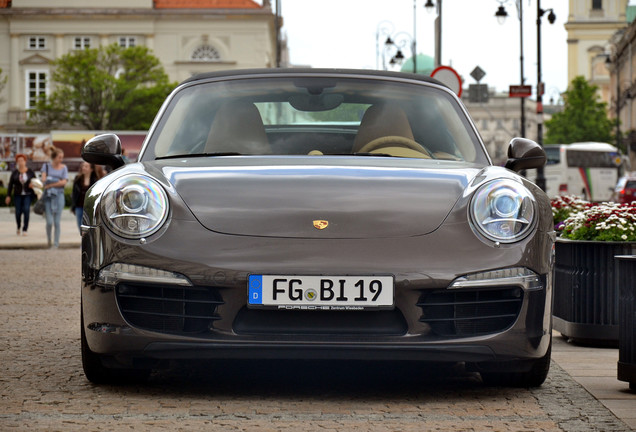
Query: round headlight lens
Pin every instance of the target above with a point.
(133, 199)
(505, 203)
(134, 206)
(503, 211)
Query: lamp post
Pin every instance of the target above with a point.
(384, 28)
(279, 24)
(430, 5)
(555, 96)
(399, 41)
(501, 15)
(414, 44)
(540, 88)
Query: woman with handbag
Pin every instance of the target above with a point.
(19, 186)
(55, 177)
(83, 181)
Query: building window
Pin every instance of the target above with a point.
(37, 87)
(37, 42)
(127, 41)
(82, 42)
(597, 4)
(205, 53)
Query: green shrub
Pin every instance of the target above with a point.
(68, 197)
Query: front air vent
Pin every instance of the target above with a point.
(168, 308)
(464, 313)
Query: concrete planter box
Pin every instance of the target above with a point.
(627, 319)
(585, 290)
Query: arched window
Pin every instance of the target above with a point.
(205, 53)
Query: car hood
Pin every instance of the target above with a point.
(297, 200)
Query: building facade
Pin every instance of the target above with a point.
(590, 26)
(622, 89)
(499, 120)
(187, 36)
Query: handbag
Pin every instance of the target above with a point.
(38, 208)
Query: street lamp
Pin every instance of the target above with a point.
(399, 41)
(430, 5)
(541, 88)
(555, 96)
(501, 15)
(384, 28)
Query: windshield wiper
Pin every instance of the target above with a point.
(197, 155)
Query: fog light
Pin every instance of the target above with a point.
(522, 276)
(112, 274)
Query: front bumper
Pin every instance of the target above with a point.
(432, 321)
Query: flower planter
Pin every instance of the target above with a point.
(585, 290)
(627, 319)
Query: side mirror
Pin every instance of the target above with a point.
(525, 154)
(103, 149)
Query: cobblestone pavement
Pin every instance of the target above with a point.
(42, 387)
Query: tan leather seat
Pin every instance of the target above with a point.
(238, 127)
(381, 120)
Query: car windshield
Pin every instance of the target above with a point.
(318, 116)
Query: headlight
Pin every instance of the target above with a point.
(503, 211)
(134, 206)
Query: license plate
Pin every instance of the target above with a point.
(320, 292)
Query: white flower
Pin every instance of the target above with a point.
(624, 237)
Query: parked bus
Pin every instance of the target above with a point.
(587, 169)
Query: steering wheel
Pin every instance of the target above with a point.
(387, 141)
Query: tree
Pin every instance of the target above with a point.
(583, 119)
(106, 88)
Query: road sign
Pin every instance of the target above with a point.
(478, 93)
(520, 91)
(450, 77)
(478, 73)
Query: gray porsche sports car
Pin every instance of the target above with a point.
(316, 214)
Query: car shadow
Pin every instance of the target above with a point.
(311, 378)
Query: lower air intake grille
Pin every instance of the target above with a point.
(464, 313)
(168, 309)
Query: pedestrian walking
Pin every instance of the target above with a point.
(20, 187)
(55, 177)
(83, 181)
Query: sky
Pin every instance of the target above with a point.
(343, 33)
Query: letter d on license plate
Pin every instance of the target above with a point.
(320, 292)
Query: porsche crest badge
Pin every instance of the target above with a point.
(321, 224)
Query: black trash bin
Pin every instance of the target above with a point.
(627, 319)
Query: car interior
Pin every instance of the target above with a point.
(314, 121)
